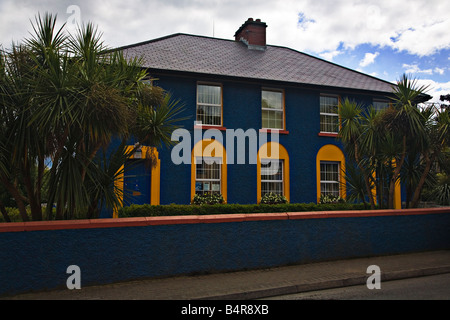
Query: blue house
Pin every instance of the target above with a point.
(273, 102)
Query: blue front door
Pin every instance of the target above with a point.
(137, 182)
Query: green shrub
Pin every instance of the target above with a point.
(324, 199)
(273, 198)
(208, 199)
(14, 215)
(442, 194)
(147, 210)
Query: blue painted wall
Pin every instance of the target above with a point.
(242, 109)
(38, 260)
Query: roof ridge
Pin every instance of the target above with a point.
(167, 37)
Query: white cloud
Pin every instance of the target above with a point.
(424, 39)
(369, 58)
(416, 26)
(329, 55)
(439, 70)
(414, 68)
(435, 89)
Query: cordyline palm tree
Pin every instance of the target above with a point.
(350, 133)
(436, 138)
(22, 152)
(64, 98)
(380, 142)
(405, 120)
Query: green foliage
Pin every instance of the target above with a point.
(147, 210)
(63, 97)
(402, 142)
(13, 214)
(329, 199)
(209, 199)
(442, 194)
(273, 198)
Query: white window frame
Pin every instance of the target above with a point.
(331, 182)
(280, 161)
(272, 109)
(202, 180)
(336, 115)
(199, 103)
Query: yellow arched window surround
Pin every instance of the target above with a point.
(275, 151)
(210, 148)
(331, 153)
(155, 177)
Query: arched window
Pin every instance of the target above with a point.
(209, 168)
(330, 164)
(272, 170)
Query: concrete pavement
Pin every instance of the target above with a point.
(257, 284)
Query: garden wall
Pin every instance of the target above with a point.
(35, 255)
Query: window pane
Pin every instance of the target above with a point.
(208, 94)
(209, 105)
(208, 175)
(380, 105)
(328, 104)
(272, 119)
(210, 115)
(272, 110)
(329, 178)
(271, 187)
(329, 123)
(272, 170)
(271, 176)
(272, 100)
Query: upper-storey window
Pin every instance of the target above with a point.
(209, 104)
(380, 105)
(272, 107)
(329, 118)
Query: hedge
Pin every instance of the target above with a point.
(147, 210)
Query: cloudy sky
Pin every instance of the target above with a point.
(383, 38)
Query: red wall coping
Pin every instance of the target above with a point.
(220, 218)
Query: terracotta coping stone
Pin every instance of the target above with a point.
(219, 218)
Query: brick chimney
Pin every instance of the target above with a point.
(253, 34)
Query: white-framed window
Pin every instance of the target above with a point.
(209, 104)
(329, 118)
(272, 173)
(272, 109)
(208, 175)
(329, 178)
(380, 105)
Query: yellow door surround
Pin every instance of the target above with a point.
(155, 177)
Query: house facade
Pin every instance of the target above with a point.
(260, 119)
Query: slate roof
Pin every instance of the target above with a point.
(212, 56)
